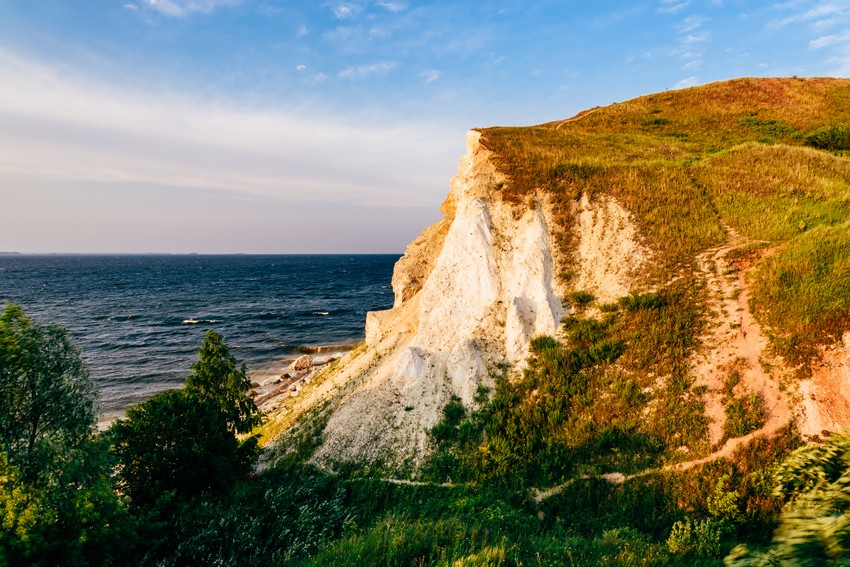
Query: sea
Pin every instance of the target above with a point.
(140, 319)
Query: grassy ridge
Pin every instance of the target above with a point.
(766, 157)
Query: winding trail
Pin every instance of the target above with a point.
(578, 116)
(734, 341)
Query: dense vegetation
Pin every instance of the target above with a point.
(168, 485)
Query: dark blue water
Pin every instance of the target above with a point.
(135, 316)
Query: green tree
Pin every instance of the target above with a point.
(175, 444)
(57, 502)
(46, 394)
(217, 378)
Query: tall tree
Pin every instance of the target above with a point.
(46, 394)
(57, 502)
(217, 378)
(175, 443)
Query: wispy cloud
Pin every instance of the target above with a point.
(363, 71)
(430, 75)
(346, 10)
(130, 6)
(673, 6)
(180, 8)
(686, 82)
(59, 129)
(392, 6)
(270, 11)
(829, 40)
(691, 23)
(826, 21)
(813, 13)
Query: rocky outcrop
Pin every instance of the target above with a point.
(470, 293)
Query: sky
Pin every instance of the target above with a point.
(275, 126)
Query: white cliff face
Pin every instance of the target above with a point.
(609, 252)
(488, 289)
(470, 293)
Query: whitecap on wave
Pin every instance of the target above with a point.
(193, 321)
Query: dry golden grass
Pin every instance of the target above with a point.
(687, 163)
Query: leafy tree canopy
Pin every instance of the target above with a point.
(175, 443)
(218, 379)
(46, 394)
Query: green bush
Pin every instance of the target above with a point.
(833, 137)
(700, 539)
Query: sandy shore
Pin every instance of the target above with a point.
(271, 382)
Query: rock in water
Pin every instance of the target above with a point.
(302, 363)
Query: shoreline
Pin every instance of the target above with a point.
(270, 382)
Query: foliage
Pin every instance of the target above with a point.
(216, 378)
(57, 503)
(814, 528)
(46, 394)
(175, 443)
(832, 137)
(701, 538)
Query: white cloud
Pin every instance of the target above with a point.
(828, 40)
(131, 7)
(686, 82)
(695, 38)
(363, 71)
(270, 11)
(817, 14)
(346, 10)
(180, 8)
(62, 130)
(392, 6)
(673, 6)
(689, 24)
(302, 31)
(301, 67)
(430, 75)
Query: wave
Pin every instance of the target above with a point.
(192, 321)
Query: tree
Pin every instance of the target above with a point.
(814, 527)
(46, 394)
(184, 442)
(217, 378)
(174, 443)
(57, 502)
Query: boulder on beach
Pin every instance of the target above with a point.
(302, 363)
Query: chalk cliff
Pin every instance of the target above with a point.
(469, 294)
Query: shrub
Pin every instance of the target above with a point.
(833, 137)
(700, 539)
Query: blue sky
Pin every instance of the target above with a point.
(273, 126)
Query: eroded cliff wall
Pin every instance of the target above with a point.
(470, 293)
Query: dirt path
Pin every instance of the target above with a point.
(578, 116)
(734, 341)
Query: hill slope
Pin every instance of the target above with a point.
(700, 236)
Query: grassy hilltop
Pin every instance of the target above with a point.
(766, 157)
